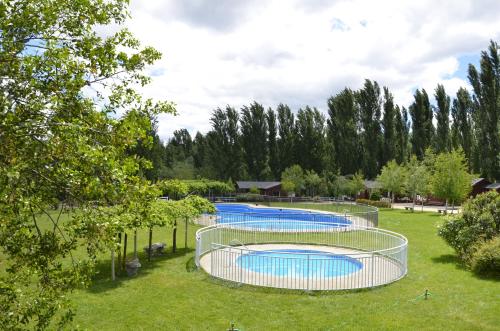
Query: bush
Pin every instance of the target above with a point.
(375, 196)
(486, 259)
(378, 204)
(479, 222)
(249, 197)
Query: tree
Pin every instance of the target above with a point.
(295, 176)
(402, 129)
(451, 180)
(61, 144)
(312, 182)
(417, 179)
(273, 144)
(442, 139)
(390, 123)
(225, 153)
(254, 141)
(286, 141)
(356, 184)
(392, 178)
(369, 102)
(461, 130)
(342, 132)
(422, 127)
(310, 139)
(485, 85)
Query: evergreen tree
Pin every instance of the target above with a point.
(286, 140)
(442, 138)
(461, 130)
(343, 131)
(273, 144)
(310, 142)
(486, 98)
(254, 141)
(422, 127)
(392, 143)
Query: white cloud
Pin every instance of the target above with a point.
(299, 53)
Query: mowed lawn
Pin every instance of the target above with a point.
(169, 295)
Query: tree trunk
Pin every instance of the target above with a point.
(446, 207)
(150, 243)
(413, 206)
(119, 251)
(125, 240)
(113, 264)
(186, 233)
(135, 244)
(174, 237)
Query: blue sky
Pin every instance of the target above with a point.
(300, 52)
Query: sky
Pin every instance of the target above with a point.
(230, 52)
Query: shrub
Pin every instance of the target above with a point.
(479, 222)
(375, 196)
(254, 190)
(249, 197)
(378, 204)
(486, 259)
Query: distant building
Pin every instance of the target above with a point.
(265, 188)
(479, 185)
(371, 186)
(493, 187)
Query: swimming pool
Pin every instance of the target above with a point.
(277, 218)
(299, 263)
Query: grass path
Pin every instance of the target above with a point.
(168, 295)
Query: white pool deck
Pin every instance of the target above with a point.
(376, 269)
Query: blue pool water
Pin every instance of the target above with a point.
(277, 218)
(299, 263)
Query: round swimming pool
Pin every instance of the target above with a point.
(272, 218)
(299, 263)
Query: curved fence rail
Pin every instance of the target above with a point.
(311, 255)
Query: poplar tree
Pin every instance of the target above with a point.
(442, 138)
(392, 143)
(254, 141)
(342, 131)
(401, 135)
(273, 144)
(286, 140)
(422, 127)
(486, 88)
(369, 101)
(461, 129)
(310, 141)
(223, 141)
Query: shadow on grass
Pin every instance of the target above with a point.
(102, 280)
(459, 264)
(449, 259)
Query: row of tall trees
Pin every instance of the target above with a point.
(361, 131)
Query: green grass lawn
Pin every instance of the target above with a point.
(169, 295)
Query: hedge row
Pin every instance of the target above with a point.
(378, 204)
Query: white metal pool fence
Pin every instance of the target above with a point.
(382, 254)
(361, 218)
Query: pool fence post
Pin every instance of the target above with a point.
(308, 270)
(373, 269)
(241, 268)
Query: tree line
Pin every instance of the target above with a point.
(362, 131)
